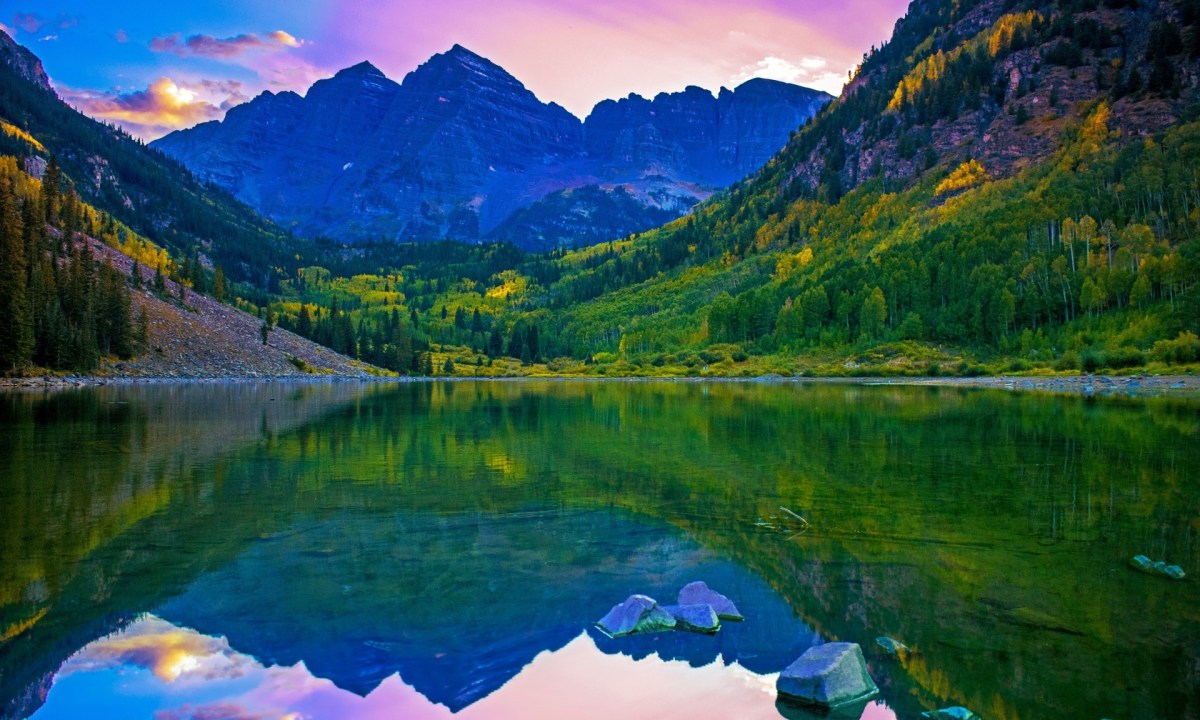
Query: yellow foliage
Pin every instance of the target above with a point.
(996, 39)
(790, 263)
(17, 628)
(511, 284)
(14, 131)
(965, 176)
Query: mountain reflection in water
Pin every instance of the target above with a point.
(448, 546)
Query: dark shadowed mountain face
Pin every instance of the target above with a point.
(23, 62)
(461, 146)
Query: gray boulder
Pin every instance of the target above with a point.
(698, 593)
(828, 676)
(694, 618)
(638, 614)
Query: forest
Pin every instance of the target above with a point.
(884, 239)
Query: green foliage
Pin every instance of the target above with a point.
(59, 307)
(1181, 350)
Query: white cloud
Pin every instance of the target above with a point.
(809, 71)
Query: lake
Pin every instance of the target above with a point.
(433, 550)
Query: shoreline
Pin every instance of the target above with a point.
(1082, 385)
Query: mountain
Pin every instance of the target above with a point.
(27, 65)
(460, 146)
(1003, 179)
(140, 187)
(1006, 185)
(712, 141)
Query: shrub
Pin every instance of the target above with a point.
(1067, 361)
(1124, 357)
(1183, 349)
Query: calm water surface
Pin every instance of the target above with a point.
(437, 550)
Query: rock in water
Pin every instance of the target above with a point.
(698, 593)
(951, 713)
(1143, 563)
(638, 614)
(1146, 565)
(694, 618)
(892, 647)
(1174, 572)
(828, 676)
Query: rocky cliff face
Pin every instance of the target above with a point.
(999, 82)
(25, 63)
(460, 147)
(693, 135)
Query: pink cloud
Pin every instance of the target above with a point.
(32, 23)
(209, 46)
(28, 22)
(164, 106)
(215, 711)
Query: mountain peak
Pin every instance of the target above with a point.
(23, 62)
(460, 51)
(363, 69)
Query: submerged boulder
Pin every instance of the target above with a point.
(892, 647)
(1160, 567)
(792, 711)
(694, 618)
(951, 713)
(638, 614)
(828, 676)
(698, 593)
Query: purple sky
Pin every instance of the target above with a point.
(156, 66)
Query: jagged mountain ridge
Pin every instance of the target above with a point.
(461, 145)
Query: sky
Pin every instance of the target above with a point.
(158, 670)
(156, 66)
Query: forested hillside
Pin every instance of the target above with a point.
(1009, 185)
(1004, 186)
(142, 188)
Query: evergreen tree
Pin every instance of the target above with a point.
(16, 321)
(219, 288)
(142, 331)
(51, 183)
(160, 282)
(533, 343)
(303, 320)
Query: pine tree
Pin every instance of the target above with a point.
(16, 320)
(51, 184)
(219, 288)
(160, 282)
(533, 343)
(303, 320)
(142, 331)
